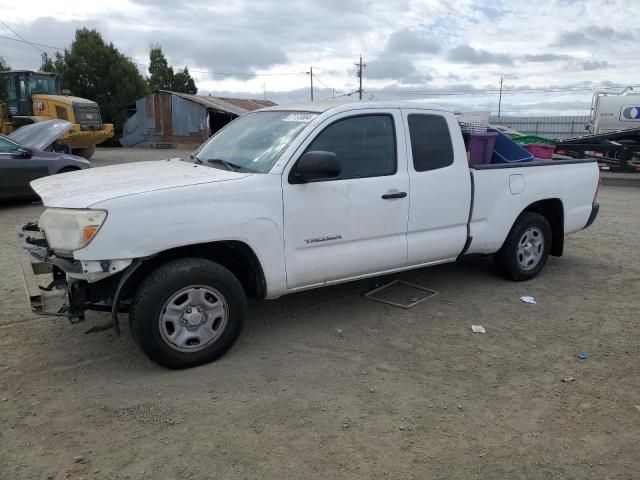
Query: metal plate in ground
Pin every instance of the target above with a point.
(401, 294)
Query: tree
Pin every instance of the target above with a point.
(162, 76)
(183, 82)
(92, 69)
(51, 64)
(3, 87)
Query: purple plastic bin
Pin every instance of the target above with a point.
(481, 147)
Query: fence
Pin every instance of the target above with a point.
(553, 128)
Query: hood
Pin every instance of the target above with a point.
(41, 134)
(85, 188)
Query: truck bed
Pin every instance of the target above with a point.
(502, 191)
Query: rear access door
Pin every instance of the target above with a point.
(440, 186)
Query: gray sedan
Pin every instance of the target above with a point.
(30, 153)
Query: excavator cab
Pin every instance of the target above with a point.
(20, 85)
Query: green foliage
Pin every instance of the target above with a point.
(162, 76)
(51, 64)
(182, 82)
(3, 87)
(92, 69)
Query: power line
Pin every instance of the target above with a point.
(20, 36)
(274, 74)
(30, 43)
(325, 85)
(360, 65)
(497, 92)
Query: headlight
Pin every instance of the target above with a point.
(68, 230)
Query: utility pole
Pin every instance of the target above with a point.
(500, 99)
(360, 66)
(310, 72)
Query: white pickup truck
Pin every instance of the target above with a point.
(286, 199)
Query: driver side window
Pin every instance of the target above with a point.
(365, 146)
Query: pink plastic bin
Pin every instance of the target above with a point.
(539, 150)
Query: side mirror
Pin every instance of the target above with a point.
(24, 153)
(318, 165)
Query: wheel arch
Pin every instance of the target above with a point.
(552, 210)
(236, 256)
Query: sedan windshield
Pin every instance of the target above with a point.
(253, 142)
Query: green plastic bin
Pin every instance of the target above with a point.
(531, 139)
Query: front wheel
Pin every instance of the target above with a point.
(526, 249)
(188, 312)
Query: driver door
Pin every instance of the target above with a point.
(355, 224)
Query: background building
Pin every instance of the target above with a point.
(167, 119)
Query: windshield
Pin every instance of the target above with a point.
(43, 84)
(254, 141)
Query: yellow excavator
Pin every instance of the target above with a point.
(32, 97)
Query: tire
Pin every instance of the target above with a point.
(526, 249)
(85, 152)
(175, 311)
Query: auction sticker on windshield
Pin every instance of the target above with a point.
(300, 117)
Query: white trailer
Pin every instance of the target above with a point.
(612, 112)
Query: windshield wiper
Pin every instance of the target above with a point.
(233, 167)
(195, 158)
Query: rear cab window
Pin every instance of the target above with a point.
(431, 145)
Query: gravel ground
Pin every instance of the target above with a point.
(328, 384)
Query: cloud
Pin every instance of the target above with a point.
(592, 35)
(399, 68)
(545, 57)
(468, 54)
(396, 61)
(411, 41)
(590, 65)
(425, 45)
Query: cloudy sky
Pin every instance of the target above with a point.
(552, 54)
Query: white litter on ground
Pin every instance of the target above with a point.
(527, 299)
(478, 329)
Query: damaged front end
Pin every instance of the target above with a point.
(63, 286)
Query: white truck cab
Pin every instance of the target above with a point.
(285, 199)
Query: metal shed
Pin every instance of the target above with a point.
(167, 119)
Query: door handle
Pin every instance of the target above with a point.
(389, 196)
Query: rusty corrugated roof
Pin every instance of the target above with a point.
(237, 106)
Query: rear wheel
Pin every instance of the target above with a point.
(526, 249)
(85, 152)
(188, 312)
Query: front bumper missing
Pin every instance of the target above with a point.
(50, 300)
(42, 264)
(73, 286)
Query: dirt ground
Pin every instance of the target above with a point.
(328, 384)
